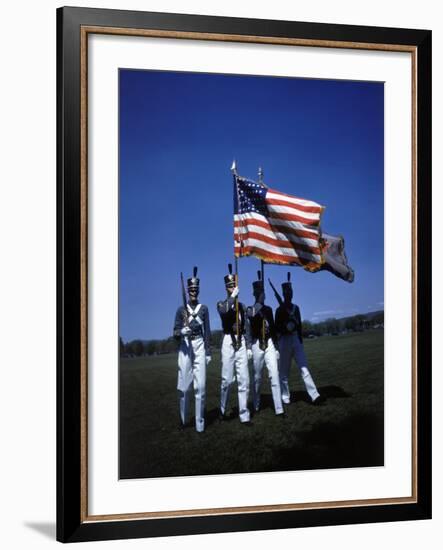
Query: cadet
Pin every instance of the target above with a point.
(235, 350)
(192, 328)
(264, 347)
(289, 327)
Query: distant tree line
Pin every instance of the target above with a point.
(356, 323)
(137, 348)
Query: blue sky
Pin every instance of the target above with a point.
(179, 132)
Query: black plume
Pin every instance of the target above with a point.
(230, 269)
(289, 276)
(259, 275)
(195, 271)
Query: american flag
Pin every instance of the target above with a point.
(275, 227)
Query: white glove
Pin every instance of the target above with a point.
(249, 354)
(290, 326)
(235, 292)
(185, 331)
(277, 353)
(208, 359)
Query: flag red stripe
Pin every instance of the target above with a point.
(277, 242)
(276, 227)
(290, 196)
(309, 209)
(292, 218)
(282, 258)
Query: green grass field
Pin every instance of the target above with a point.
(345, 431)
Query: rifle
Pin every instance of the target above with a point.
(185, 309)
(237, 341)
(276, 294)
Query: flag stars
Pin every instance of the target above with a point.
(251, 197)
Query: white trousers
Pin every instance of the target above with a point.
(235, 362)
(266, 357)
(192, 371)
(290, 346)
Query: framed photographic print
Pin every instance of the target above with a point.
(244, 274)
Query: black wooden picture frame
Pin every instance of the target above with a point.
(73, 25)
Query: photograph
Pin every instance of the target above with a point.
(250, 273)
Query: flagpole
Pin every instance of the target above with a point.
(260, 181)
(237, 320)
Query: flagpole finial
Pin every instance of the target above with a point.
(260, 174)
(234, 167)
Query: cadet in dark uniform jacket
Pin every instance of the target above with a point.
(191, 326)
(289, 327)
(235, 350)
(264, 347)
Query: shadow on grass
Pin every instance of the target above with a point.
(356, 441)
(326, 392)
(212, 416)
(266, 402)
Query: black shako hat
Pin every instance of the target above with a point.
(258, 285)
(193, 282)
(287, 284)
(230, 278)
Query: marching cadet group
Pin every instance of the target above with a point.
(249, 333)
